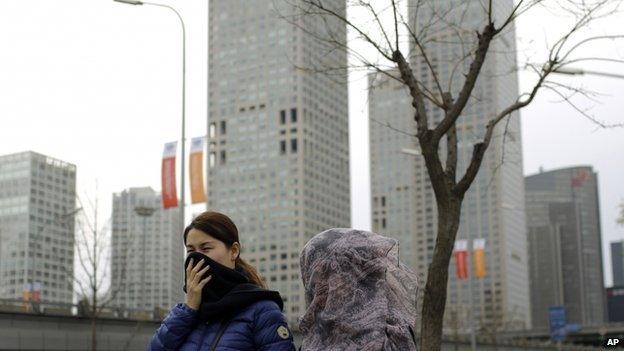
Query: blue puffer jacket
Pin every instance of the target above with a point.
(259, 326)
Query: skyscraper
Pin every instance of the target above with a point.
(37, 203)
(278, 137)
(617, 263)
(147, 265)
(493, 208)
(565, 252)
(397, 179)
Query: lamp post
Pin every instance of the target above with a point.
(143, 211)
(578, 71)
(182, 164)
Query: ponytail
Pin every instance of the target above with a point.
(252, 273)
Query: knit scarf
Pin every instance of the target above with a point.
(228, 291)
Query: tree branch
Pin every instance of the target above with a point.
(485, 38)
(479, 149)
(434, 74)
(324, 10)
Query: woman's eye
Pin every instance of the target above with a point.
(189, 251)
(206, 248)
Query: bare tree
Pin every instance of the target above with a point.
(92, 249)
(439, 104)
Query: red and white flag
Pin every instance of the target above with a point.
(460, 252)
(168, 176)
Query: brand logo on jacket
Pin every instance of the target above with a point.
(282, 331)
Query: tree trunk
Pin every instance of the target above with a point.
(434, 302)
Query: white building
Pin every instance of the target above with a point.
(147, 252)
(36, 235)
(279, 145)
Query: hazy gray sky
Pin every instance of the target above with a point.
(97, 84)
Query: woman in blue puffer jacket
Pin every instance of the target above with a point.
(227, 309)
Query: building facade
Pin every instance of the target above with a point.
(397, 182)
(278, 135)
(615, 304)
(403, 202)
(565, 252)
(147, 261)
(617, 262)
(37, 203)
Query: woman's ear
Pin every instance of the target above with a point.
(234, 252)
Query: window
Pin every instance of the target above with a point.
(211, 159)
(293, 115)
(283, 147)
(222, 127)
(212, 130)
(283, 117)
(293, 145)
(222, 157)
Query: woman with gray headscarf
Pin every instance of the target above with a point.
(358, 295)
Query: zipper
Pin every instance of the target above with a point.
(222, 327)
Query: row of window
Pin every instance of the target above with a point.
(293, 146)
(212, 158)
(377, 198)
(213, 129)
(223, 128)
(293, 116)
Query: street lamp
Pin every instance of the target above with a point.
(412, 152)
(135, 2)
(578, 71)
(143, 211)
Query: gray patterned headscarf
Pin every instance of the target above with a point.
(358, 295)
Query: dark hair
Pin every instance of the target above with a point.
(223, 229)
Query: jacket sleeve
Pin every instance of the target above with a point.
(174, 329)
(271, 332)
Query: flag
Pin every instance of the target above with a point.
(461, 256)
(168, 176)
(479, 258)
(196, 172)
(582, 175)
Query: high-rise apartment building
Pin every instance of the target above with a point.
(37, 203)
(565, 251)
(617, 262)
(147, 265)
(493, 208)
(278, 137)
